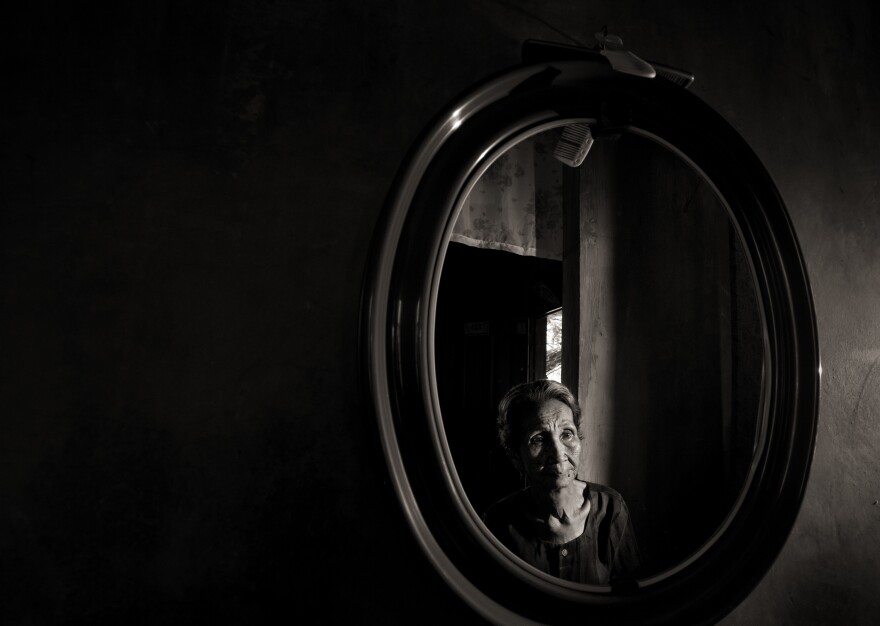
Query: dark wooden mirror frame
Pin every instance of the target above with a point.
(397, 335)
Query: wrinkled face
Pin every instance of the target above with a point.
(550, 447)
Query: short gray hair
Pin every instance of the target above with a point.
(528, 396)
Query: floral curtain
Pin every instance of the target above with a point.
(517, 204)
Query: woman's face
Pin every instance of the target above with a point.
(550, 447)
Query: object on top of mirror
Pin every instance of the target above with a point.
(622, 59)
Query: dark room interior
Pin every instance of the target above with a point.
(191, 193)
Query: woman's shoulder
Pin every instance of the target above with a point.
(506, 508)
(513, 500)
(604, 498)
(603, 490)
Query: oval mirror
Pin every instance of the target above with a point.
(571, 221)
(624, 279)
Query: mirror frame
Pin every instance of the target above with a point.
(397, 343)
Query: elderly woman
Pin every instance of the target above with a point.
(566, 527)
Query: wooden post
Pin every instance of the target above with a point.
(571, 280)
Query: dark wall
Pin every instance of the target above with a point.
(187, 196)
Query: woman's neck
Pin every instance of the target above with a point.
(562, 513)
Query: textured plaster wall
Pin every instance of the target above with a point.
(188, 195)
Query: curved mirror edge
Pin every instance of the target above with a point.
(377, 304)
(489, 156)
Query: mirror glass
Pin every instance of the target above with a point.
(625, 279)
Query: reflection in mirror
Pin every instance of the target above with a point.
(625, 279)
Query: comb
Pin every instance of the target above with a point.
(574, 144)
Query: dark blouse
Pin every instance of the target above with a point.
(605, 552)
